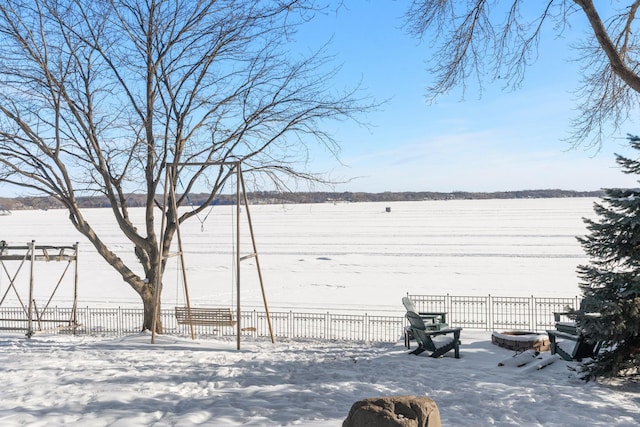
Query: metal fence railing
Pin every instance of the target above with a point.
(122, 321)
(495, 312)
(472, 312)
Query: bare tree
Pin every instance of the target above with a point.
(96, 98)
(490, 40)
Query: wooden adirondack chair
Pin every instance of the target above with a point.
(432, 320)
(577, 346)
(438, 342)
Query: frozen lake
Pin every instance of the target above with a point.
(343, 256)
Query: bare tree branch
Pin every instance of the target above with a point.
(97, 97)
(498, 40)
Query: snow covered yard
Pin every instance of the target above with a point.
(55, 380)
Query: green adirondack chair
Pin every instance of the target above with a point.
(438, 342)
(432, 319)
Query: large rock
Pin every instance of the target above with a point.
(398, 411)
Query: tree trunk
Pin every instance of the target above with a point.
(150, 310)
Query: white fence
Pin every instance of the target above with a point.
(472, 312)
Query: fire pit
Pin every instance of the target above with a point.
(521, 340)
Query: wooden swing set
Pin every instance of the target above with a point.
(209, 316)
(29, 317)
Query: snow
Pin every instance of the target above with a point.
(519, 338)
(78, 381)
(349, 257)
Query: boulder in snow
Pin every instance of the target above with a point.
(398, 411)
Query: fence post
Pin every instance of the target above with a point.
(254, 320)
(366, 328)
(327, 325)
(490, 323)
(291, 333)
(532, 314)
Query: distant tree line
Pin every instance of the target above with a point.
(272, 197)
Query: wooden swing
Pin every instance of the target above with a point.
(201, 316)
(211, 316)
(218, 316)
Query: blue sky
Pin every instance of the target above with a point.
(500, 141)
(497, 142)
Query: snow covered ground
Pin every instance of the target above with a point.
(351, 257)
(93, 381)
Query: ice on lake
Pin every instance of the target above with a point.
(341, 256)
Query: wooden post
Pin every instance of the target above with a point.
(255, 254)
(74, 309)
(238, 210)
(32, 246)
(174, 207)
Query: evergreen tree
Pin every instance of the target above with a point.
(610, 283)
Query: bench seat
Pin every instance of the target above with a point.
(204, 316)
